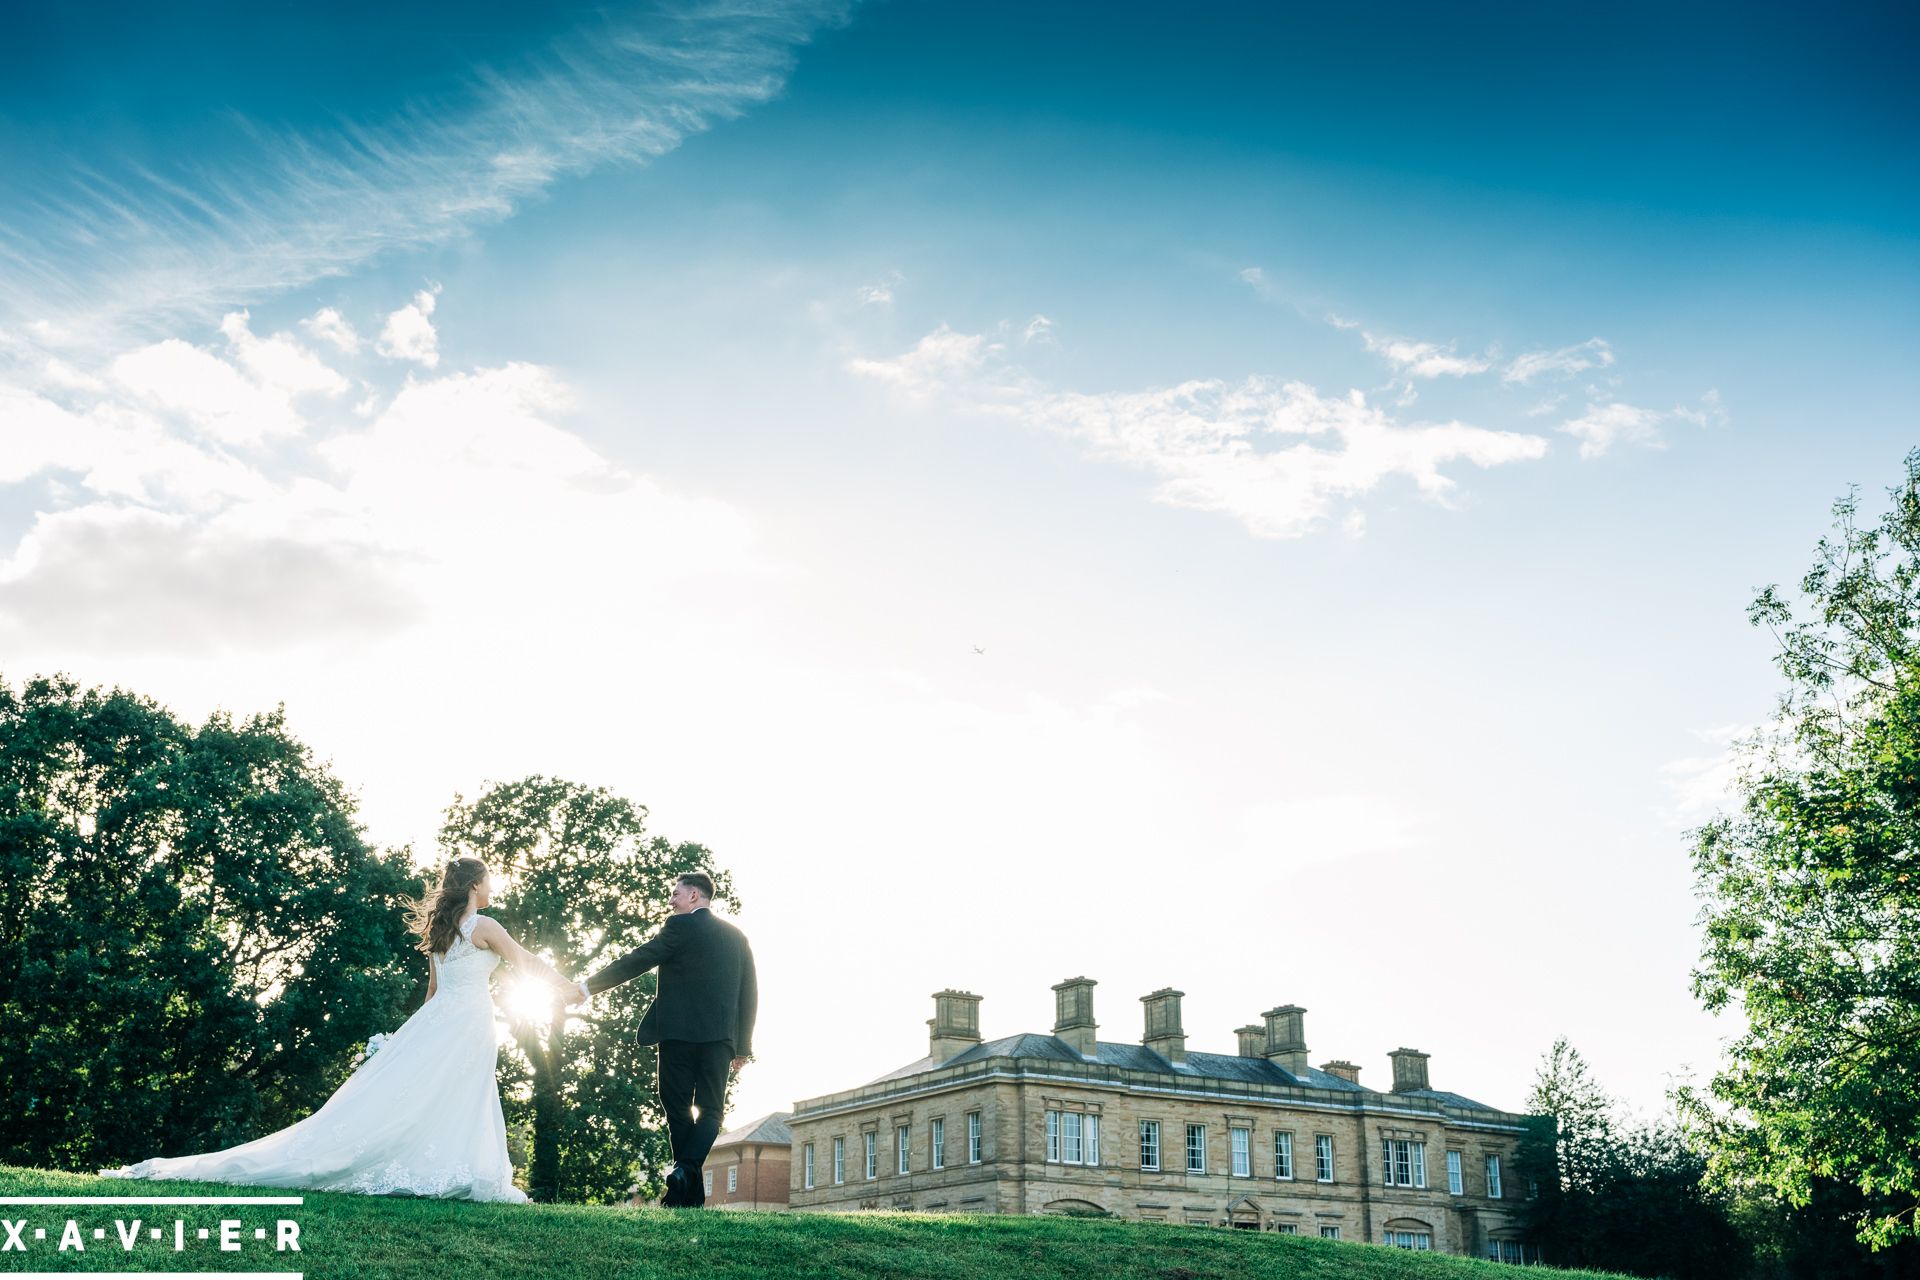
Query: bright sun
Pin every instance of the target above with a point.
(529, 1002)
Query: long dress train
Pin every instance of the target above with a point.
(420, 1117)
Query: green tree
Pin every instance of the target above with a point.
(1571, 1150)
(586, 884)
(194, 937)
(1810, 904)
(1615, 1195)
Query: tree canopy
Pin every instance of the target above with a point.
(194, 938)
(1811, 905)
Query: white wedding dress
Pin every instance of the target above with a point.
(420, 1117)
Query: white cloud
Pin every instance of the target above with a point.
(329, 326)
(279, 363)
(1594, 353)
(198, 387)
(881, 294)
(1700, 786)
(1039, 329)
(409, 333)
(464, 486)
(1426, 359)
(1603, 426)
(935, 362)
(117, 452)
(1246, 449)
(123, 579)
(1709, 413)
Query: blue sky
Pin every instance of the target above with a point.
(1351, 433)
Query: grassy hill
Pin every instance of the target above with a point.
(381, 1238)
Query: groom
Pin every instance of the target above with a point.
(701, 1017)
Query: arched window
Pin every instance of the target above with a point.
(1407, 1233)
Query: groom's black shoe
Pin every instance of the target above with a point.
(676, 1197)
(696, 1188)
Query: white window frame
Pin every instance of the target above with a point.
(1329, 1233)
(1150, 1146)
(1199, 1131)
(733, 1178)
(903, 1148)
(1073, 1137)
(1494, 1188)
(1240, 1147)
(973, 1137)
(1456, 1181)
(839, 1162)
(1283, 1155)
(939, 1141)
(873, 1153)
(1323, 1157)
(706, 1181)
(1403, 1162)
(806, 1167)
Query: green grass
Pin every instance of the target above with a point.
(384, 1238)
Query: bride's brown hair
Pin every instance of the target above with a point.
(436, 918)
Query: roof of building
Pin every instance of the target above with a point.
(769, 1129)
(1135, 1057)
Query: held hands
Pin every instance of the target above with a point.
(575, 993)
(739, 1063)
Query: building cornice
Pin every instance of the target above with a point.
(998, 1070)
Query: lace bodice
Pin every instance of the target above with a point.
(465, 968)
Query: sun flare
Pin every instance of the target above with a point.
(529, 1002)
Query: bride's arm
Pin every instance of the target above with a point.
(433, 978)
(493, 936)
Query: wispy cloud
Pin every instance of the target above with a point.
(1426, 359)
(1279, 457)
(116, 244)
(1594, 353)
(934, 364)
(880, 293)
(1603, 426)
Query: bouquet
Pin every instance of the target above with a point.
(373, 1046)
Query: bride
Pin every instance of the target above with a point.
(422, 1115)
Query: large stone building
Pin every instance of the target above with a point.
(1260, 1140)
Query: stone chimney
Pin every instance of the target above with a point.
(955, 1024)
(1287, 1038)
(1347, 1071)
(1073, 1015)
(1409, 1070)
(1253, 1041)
(1164, 1035)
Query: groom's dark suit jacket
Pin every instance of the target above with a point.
(707, 990)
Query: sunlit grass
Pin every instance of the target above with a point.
(391, 1238)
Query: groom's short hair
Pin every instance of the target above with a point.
(698, 880)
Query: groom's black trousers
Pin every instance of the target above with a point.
(694, 1074)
